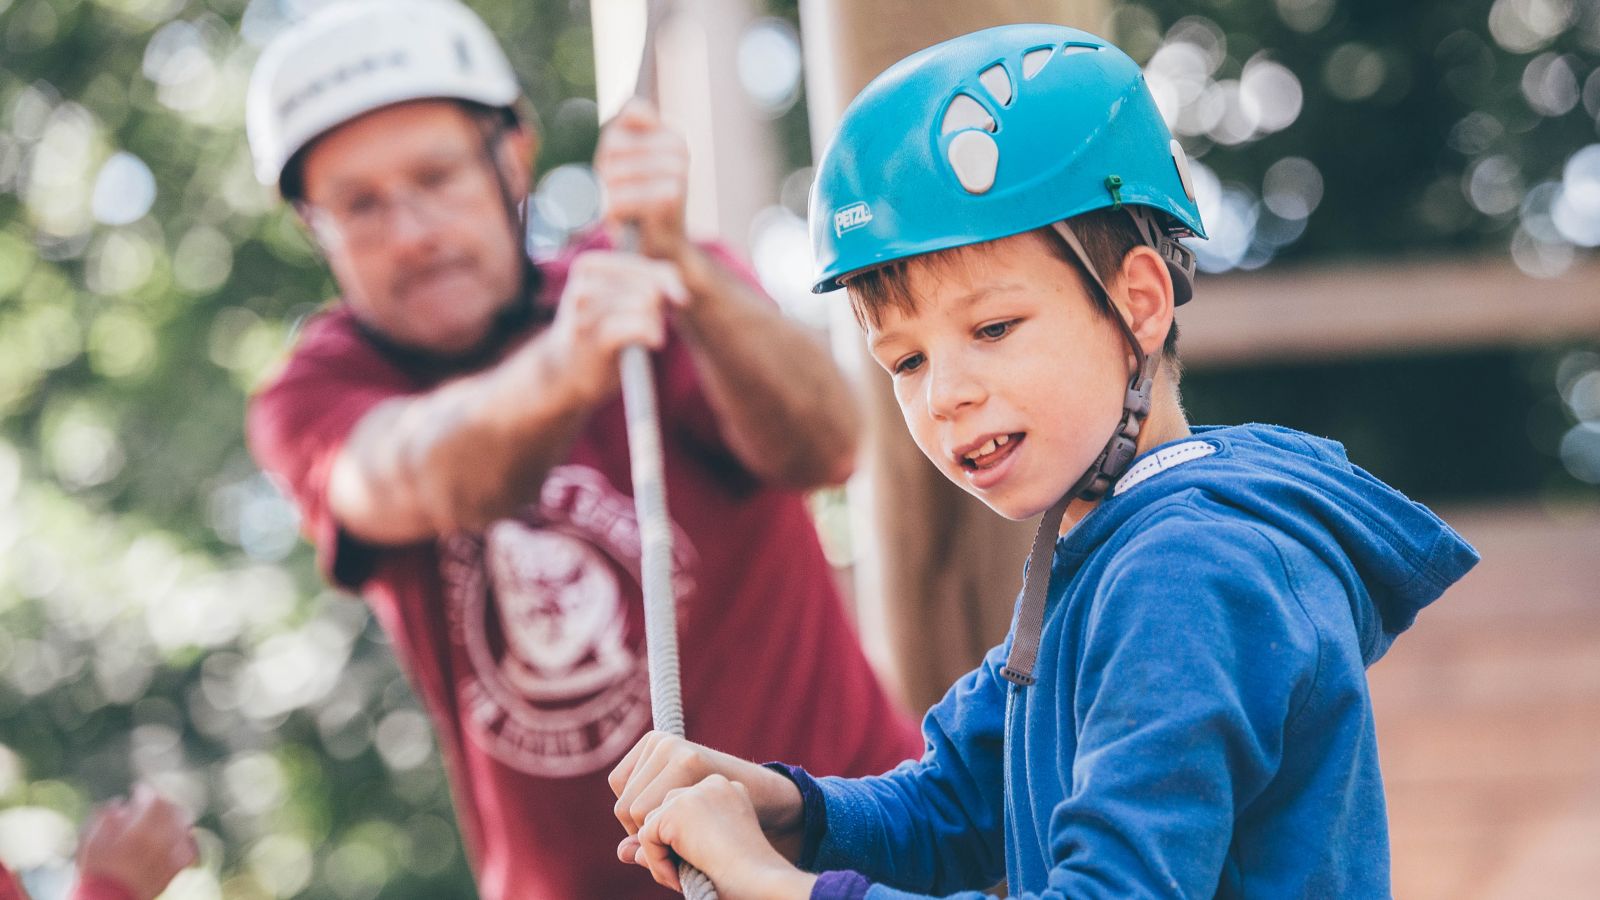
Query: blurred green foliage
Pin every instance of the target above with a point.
(159, 619)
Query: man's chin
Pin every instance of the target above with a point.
(442, 330)
(459, 340)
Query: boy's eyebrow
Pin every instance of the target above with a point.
(985, 291)
(978, 295)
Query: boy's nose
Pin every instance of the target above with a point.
(952, 388)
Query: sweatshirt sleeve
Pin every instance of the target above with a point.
(934, 824)
(1196, 656)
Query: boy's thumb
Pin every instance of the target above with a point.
(628, 850)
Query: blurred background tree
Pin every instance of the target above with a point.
(159, 618)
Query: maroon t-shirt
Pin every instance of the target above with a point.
(526, 640)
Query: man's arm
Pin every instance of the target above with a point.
(783, 407)
(477, 448)
(459, 456)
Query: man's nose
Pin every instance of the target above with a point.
(953, 385)
(411, 222)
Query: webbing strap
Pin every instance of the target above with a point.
(1035, 590)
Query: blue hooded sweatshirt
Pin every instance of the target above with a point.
(1201, 724)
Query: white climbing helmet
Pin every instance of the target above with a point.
(350, 58)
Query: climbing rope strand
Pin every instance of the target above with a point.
(650, 504)
(650, 500)
(655, 539)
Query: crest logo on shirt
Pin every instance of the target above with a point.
(547, 607)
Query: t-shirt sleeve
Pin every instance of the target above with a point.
(297, 426)
(10, 888)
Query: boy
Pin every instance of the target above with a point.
(1181, 706)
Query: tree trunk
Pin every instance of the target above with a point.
(937, 571)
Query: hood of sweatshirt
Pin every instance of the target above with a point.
(1393, 555)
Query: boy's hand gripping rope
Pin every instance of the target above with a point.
(650, 503)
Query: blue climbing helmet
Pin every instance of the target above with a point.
(993, 134)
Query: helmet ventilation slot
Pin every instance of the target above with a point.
(965, 112)
(997, 81)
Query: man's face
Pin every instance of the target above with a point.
(1009, 381)
(407, 209)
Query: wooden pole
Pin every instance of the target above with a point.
(732, 150)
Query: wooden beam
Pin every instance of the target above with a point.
(1335, 311)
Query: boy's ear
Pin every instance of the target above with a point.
(1146, 289)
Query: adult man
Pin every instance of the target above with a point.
(452, 434)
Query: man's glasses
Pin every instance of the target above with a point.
(438, 191)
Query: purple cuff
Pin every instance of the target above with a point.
(813, 813)
(840, 884)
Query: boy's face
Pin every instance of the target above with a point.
(1009, 380)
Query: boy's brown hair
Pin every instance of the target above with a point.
(1108, 235)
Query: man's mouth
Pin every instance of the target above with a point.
(990, 453)
(424, 276)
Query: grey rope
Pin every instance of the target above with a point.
(650, 506)
(655, 540)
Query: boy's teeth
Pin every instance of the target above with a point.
(988, 447)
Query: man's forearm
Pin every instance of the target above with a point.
(459, 456)
(785, 409)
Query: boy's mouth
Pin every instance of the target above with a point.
(990, 453)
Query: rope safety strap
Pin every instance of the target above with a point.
(1108, 467)
(650, 504)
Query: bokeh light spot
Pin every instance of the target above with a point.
(769, 64)
(124, 190)
(1354, 71)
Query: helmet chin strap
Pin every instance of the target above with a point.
(1113, 460)
(523, 307)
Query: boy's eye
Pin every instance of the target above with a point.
(908, 364)
(996, 330)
